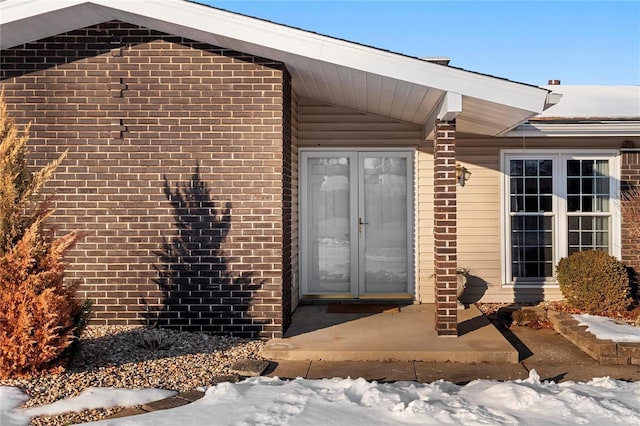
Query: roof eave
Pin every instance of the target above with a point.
(270, 40)
(583, 129)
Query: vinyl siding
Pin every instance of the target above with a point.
(321, 125)
(295, 282)
(424, 231)
(326, 125)
(479, 210)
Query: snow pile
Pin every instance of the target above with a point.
(606, 329)
(10, 398)
(271, 401)
(90, 398)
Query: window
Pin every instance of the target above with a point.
(588, 205)
(556, 204)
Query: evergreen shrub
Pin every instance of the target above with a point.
(39, 312)
(594, 282)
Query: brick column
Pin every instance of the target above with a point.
(445, 229)
(630, 177)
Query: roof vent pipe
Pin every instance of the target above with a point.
(554, 82)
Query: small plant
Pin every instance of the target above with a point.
(462, 275)
(594, 282)
(155, 339)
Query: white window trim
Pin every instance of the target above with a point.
(559, 204)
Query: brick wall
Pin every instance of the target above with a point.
(445, 229)
(287, 201)
(175, 170)
(630, 176)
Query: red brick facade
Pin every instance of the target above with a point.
(630, 177)
(445, 229)
(178, 170)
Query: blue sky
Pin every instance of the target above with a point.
(576, 42)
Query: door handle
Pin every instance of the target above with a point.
(360, 223)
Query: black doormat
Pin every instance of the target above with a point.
(362, 308)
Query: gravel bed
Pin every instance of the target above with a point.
(136, 357)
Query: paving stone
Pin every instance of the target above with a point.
(165, 404)
(191, 396)
(463, 373)
(547, 346)
(222, 379)
(379, 371)
(583, 373)
(131, 411)
(249, 367)
(286, 369)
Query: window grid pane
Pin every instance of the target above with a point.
(588, 205)
(588, 186)
(531, 185)
(588, 233)
(532, 246)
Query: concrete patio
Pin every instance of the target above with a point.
(405, 334)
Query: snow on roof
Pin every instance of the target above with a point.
(594, 103)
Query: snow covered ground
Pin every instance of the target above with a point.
(606, 329)
(271, 401)
(92, 397)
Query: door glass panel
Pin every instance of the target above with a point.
(329, 245)
(385, 232)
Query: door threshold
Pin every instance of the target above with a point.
(314, 299)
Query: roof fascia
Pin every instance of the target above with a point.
(279, 41)
(17, 10)
(542, 129)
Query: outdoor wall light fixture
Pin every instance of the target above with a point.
(462, 174)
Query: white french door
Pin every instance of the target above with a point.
(356, 215)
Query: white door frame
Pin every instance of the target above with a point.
(356, 159)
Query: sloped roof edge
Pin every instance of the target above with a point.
(22, 21)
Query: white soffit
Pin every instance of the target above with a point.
(324, 68)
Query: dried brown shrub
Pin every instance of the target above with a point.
(39, 312)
